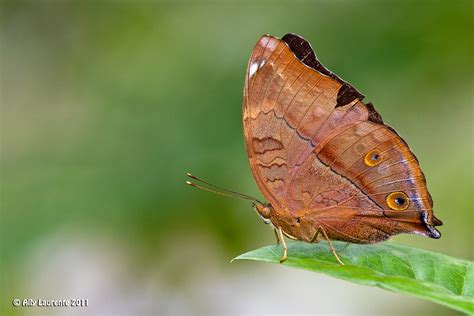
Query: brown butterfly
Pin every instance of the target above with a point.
(325, 161)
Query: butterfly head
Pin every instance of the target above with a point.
(264, 210)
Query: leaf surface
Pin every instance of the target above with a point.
(436, 277)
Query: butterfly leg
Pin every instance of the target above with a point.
(285, 248)
(314, 239)
(276, 235)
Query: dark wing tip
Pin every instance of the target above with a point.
(436, 221)
(374, 116)
(303, 51)
(432, 232)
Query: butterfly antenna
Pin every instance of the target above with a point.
(219, 190)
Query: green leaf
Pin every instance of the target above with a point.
(428, 275)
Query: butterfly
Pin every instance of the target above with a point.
(325, 161)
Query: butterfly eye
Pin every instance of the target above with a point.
(373, 158)
(398, 201)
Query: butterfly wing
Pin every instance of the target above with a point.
(319, 154)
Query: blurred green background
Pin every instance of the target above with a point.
(106, 104)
